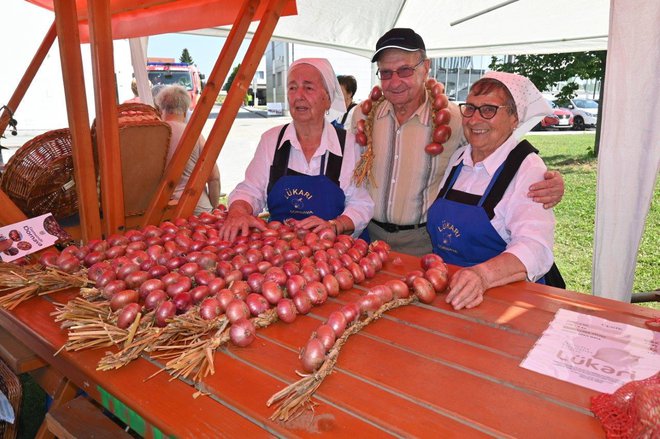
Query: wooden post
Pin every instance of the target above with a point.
(76, 103)
(229, 109)
(215, 80)
(107, 126)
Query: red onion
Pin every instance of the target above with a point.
(316, 292)
(303, 304)
(182, 301)
(313, 355)
(255, 282)
(113, 287)
(295, 284)
(242, 332)
(224, 296)
(150, 285)
(154, 299)
(271, 292)
(423, 290)
(345, 279)
(351, 311)
(286, 310)
(122, 298)
(411, 275)
(430, 260)
(326, 335)
(236, 310)
(199, 293)
(331, 285)
(369, 303)
(399, 288)
(383, 292)
(164, 313)
(337, 321)
(127, 315)
(257, 304)
(438, 277)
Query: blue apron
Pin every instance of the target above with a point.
(459, 222)
(298, 196)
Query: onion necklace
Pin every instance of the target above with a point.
(440, 118)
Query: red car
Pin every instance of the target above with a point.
(561, 118)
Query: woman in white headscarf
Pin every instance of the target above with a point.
(482, 219)
(303, 170)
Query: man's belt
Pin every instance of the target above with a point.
(393, 228)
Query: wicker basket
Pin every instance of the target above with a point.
(39, 177)
(11, 387)
(143, 142)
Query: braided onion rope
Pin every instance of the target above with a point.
(440, 118)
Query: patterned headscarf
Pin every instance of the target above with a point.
(531, 105)
(337, 104)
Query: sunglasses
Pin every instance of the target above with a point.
(402, 72)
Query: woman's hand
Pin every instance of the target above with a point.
(239, 221)
(466, 288)
(314, 224)
(549, 191)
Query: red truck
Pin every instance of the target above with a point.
(166, 71)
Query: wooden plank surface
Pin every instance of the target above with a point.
(421, 370)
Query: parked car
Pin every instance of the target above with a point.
(561, 118)
(585, 112)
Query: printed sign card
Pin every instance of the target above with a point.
(29, 236)
(594, 352)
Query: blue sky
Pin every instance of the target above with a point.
(204, 50)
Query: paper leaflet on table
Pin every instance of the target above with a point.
(29, 236)
(594, 352)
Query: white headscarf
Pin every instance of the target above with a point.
(337, 105)
(531, 105)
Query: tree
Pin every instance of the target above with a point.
(546, 70)
(232, 75)
(185, 57)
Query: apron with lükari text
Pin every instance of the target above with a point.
(459, 222)
(298, 196)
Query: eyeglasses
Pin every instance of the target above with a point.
(486, 111)
(402, 72)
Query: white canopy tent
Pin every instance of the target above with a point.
(629, 158)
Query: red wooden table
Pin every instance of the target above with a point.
(421, 370)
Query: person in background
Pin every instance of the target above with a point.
(173, 102)
(348, 88)
(303, 170)
(155, 90)
(404, 180)
(136, 98)
(483, 219)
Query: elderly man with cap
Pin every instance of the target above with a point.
(482, 218)
(403, 178)
(304, 170)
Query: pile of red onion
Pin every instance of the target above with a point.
(183, 266)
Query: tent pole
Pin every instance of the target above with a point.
(76, 103)
(106, 124)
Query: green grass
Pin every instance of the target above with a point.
(572, 156)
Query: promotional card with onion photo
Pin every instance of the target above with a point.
(29, 236)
